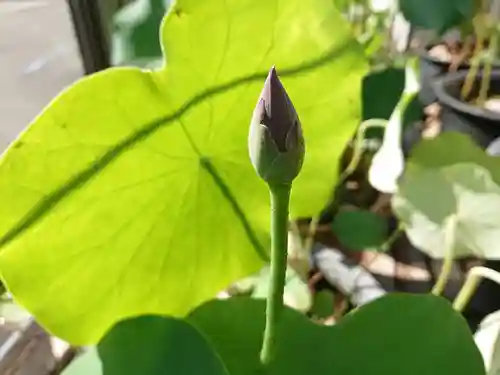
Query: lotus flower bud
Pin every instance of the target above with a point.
(276, 144)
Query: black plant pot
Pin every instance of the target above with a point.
(432, 68)
(482, 125)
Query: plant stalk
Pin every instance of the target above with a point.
(474, 277)
(473, 70)
(485, 84)
(448, 257)
(313, 228)
(475, 27)
(358, 146)
(280, 198)
(486, 78)
(385, 247)
(351, 167)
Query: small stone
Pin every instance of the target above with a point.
(440, 52)
(492, 104)
(433, 110)
(432, 128)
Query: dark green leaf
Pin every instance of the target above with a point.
(394, 335)
(322, 304)
(359, 230)
(150, 345)
(391, 82)
(439, 16)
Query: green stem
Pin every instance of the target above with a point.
(448, 257)
(351, 167)
(474, 277)
(473, 70)
(486, 78)
(485, 84)
(358, 146)
(280, 198)
(313, 227)
(386, 246)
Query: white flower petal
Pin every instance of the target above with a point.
(388, 163)
(386, 168)
(412, 85)
(487, 339)
(381, 5)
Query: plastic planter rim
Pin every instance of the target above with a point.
(423, 52)
(440, 84)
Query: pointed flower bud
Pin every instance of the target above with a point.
(275, 142)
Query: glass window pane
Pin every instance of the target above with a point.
(38, 57)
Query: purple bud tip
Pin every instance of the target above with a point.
(275, 142)
(277, 112)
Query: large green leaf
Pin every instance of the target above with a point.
(149, 345)
(394, 335)
(132, 192)
(439, 16)
(435, 153)
(391, 82)
(464, 186)
(427, 199)
(323, 304)
(397, 334)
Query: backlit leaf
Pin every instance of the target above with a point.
(132, 192)
(464, 185)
